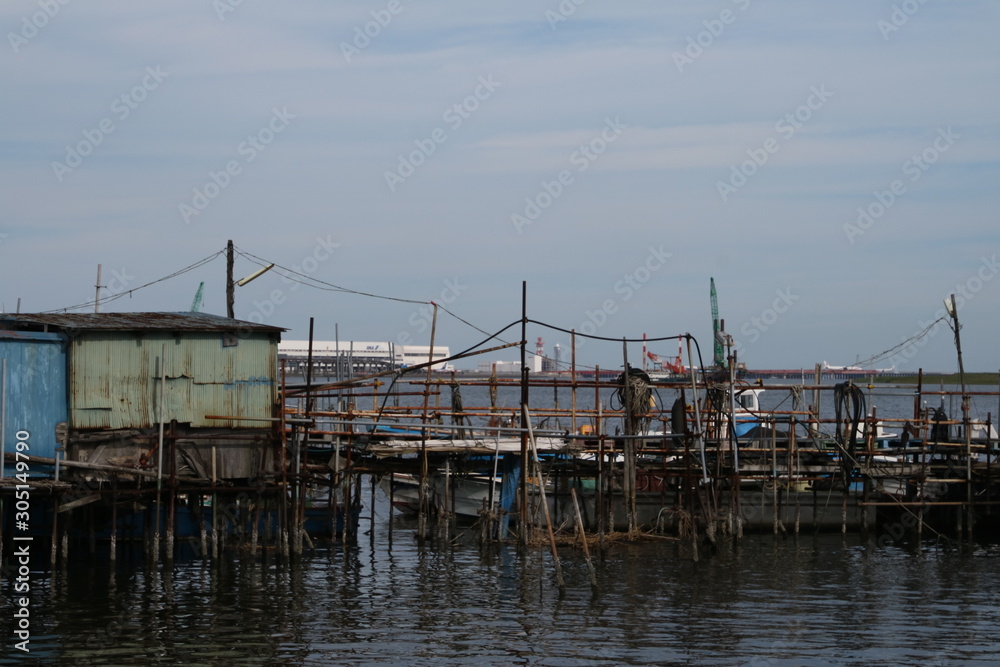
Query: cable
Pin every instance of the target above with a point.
(881, 355)
(615, 340)
(469, 324)
(329, 287)
(113, 297)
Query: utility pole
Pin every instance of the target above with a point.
(97, 297)
(230, 284)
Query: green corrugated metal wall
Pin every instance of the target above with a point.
(115, 379)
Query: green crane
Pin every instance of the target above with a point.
(196, 304)
(720, 355)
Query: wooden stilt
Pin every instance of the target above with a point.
(545, 505)
(55, 530)
(114, 526)
(583, 540)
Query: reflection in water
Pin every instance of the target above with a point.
(819, 600)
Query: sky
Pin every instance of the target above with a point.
(833, 166)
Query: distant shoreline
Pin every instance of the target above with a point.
(938, 378)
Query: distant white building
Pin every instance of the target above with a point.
(363, 355)
(510, 367)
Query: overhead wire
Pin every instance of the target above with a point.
(114, 297)
(321, 284)
(309, 281)
(908, 341)
(316, 283)
(613, 340)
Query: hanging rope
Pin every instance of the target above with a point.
(635, 396)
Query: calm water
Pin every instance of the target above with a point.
(818, 600)
(815, 600)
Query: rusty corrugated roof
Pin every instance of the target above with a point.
(133, 322)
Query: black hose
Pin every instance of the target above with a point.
(850, 409)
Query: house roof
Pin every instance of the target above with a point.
(132, 322)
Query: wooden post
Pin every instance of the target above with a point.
(793, 454)
(159, 455)
(422, 494)
(347, 535)
(545, 504)
(255, 526)
(202, 531)
(967, 510)
(114, 520)
(171, 514)
(523, 515)
(55, 531)
(283, 503)
(371, 527)
(65, 537)
(774, 475)
(817, 379)
(572, 375)
(602, 471)
(583, 540)
(629, 471)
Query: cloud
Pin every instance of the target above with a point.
(655, 184)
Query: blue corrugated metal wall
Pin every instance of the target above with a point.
(36, 391)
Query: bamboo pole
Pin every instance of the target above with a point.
(422, 492)
(572, 341)
(545, 504)
(524, 425)
(114, 524)
(602, 472)
(583, 540)
(173, 494)
(774, 468)
(159, 454)
(628, 471)
(283, 504)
